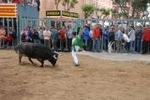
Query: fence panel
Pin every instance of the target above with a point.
(124, 24)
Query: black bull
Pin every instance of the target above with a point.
(36, 51)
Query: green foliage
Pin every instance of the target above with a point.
(57, 3)
(88, 9)
(105, 12)
(68, 4)
(73, 2)
(122, 4)
(114, 12)
(140, 5)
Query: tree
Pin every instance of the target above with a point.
(69, 4)
(139, 7)
(114, 13)
(122, 5)
(57, 3)
(105, 12)
(88, 9)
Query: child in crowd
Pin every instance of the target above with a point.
(126, 40)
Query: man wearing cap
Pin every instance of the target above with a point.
(138, 34)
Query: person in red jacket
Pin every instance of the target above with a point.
(62, 38)
(145, 38)
(96, 38)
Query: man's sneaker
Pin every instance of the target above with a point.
(78, 64)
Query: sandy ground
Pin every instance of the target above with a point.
(95, 79)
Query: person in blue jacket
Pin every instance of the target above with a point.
(105, 38)
(86, 36)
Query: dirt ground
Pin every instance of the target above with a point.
(94, 79)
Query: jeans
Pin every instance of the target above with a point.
(69, 44)
(47, 43)
(138, 44)
(105, 45)
(36, 41)
(96, 45)
(127, 46)
(132, 46)
(118, 45)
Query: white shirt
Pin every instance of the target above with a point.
(46, 34)
(91, 33)
(132, 35)
(126, 38)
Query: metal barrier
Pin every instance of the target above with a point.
(74, 23)
(8, 26)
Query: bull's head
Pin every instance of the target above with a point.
(54, 58)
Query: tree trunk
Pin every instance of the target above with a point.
(56, 7)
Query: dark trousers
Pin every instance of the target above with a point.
(144, 47)
(86, 44)
(69, 44)
(62, 42)
(127, 47)
(138, 44)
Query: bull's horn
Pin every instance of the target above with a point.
(54, 56)
(57, 53)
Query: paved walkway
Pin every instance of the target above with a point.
(117, 56)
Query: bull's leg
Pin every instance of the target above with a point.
(20, 56)
(42, 62)
(30, 60)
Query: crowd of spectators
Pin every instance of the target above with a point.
(7, 39)
(97, 38)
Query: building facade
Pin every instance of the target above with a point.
(50, 5)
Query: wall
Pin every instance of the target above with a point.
(50, 5)
(27, 11)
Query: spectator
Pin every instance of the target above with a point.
(69, 38)
(96, 39)
(138, 34)
(91, 39)
(62, 38)
(111, 39)
(2, 36)
(24, 35)
(30, 34)
(145, 38)
(105, 38)
(47, 37)
(40, 32)
(86, 36)
(54, 38)
(36, 38)
(131, 35)
(118, 39)
(126, 41)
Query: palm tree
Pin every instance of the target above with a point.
(57, 3)
(69, 4)
(105, 12)
(88, 9)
